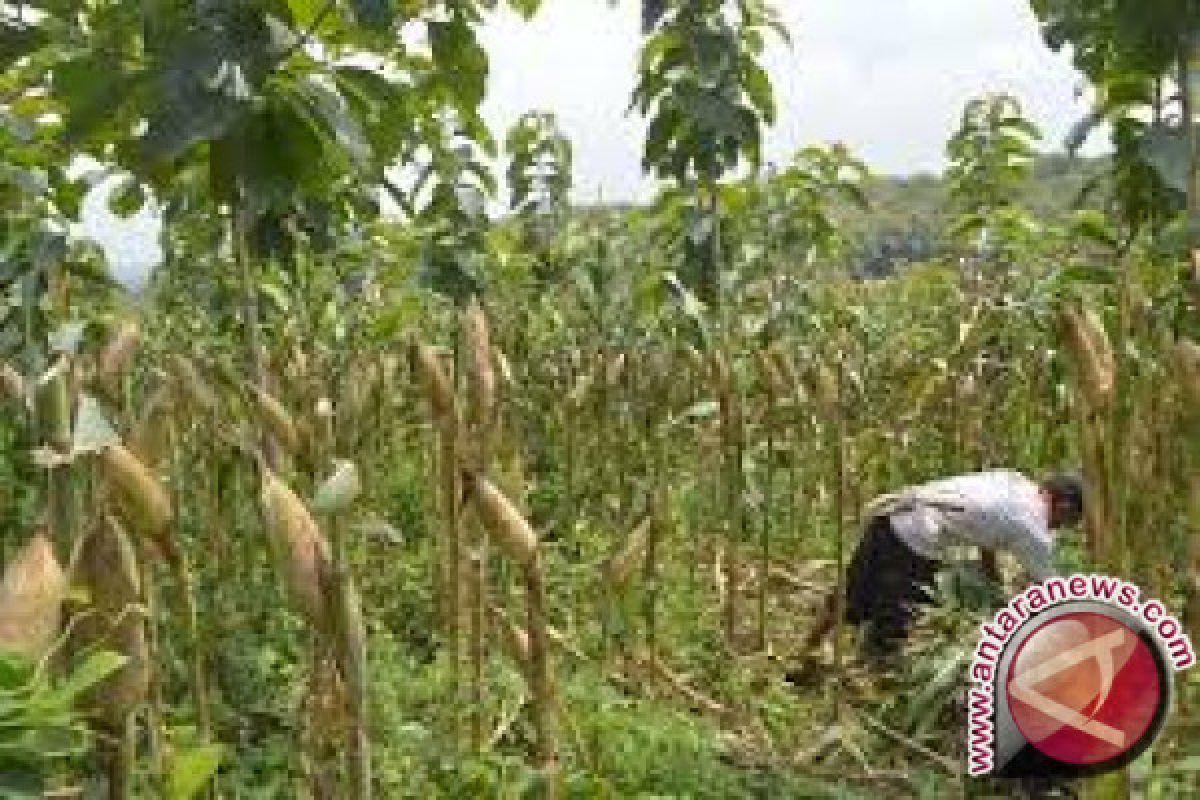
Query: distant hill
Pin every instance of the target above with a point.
(908, 213)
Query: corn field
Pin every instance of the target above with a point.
(369, 492)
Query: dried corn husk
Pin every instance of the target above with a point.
(516, 638)
(115, 355)
(1085, 338)
(623, 564)
(824, 388)
(437, 385)
(151, 437)
(358, 394)
(144, 502)
(105, 570)
(31, 596)
(303, 551)
(1187, 358)
(352, 656)
(481, 374)
(505, 523)
(277, 420)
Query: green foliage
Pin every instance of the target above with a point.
(40, 731)
(1131, 51)
(539, 169)
(990, 154)
(702, 86)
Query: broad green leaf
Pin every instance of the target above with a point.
(191, 769)
(127, 198)
(526, 8)
(373, 13)
(97, 666)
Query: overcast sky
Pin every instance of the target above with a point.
(887, 77)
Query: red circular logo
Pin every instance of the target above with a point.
(1084, 688)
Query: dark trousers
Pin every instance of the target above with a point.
(885, 584)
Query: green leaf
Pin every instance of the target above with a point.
(758, 89)
(1080, 273)
(526, 8)
(191, 769)
(97, 666)
(373, 13)
(127, 198)
(21, 784)
(461, 61)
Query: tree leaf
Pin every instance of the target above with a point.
(191, 769)
(373, 13)
(526, 8)
(98, 665)
(127, 197)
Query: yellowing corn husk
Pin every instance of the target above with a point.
(117, 352)
(277, 420)
(31, 596)
(151, 437)
(11, 383)
(359, 393)
(622, 565)
(1187, 359)
(105, 571)
(505, 523)
(302, 550)
(353, 653)
(1086, 340)
(437, 385)
(824, 388)
(144, 502)
(515, 638)
(481, 375)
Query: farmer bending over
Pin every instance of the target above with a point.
(894, 564)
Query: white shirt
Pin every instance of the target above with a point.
(1001, 509)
